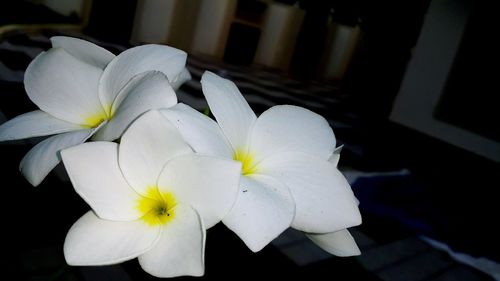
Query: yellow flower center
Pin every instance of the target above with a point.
(94, 120)
(156, 207)
(247, 161)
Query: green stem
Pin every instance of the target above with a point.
(206, 111)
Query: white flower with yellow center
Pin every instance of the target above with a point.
(287, 179)
(151, 197)
(83, 90)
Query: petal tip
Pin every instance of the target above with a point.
(209, 75)
(356, 219)
(255, 247)
(30, 174)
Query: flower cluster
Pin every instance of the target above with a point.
(175, 172)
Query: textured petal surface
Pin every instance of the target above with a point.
(181, 248)
(208, 184)
(93, 241)
(83, 50)
(146, 91)
(339, 243)
(234, 115)
(97, 178)
(33, 124)
(42, 158)
(149, 143)
(64, 86)
(136, 60)
(324, 200)
(263, 210)
(291, 128)
(200, 132)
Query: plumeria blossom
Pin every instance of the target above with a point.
(286, 177)
(83, 90)
(339, 243)
(151, 197)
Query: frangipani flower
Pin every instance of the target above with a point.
(152, 198)
(83, 90)
(339, 243)
(286, 177)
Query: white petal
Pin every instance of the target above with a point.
(339, 243)
(181, 248)
(149, 90)
(263, 210)
(42, 158)
(208, 184)
(200, 132)
(180, 79)
(64, 86)
(149, 143)
(234, 115)
(153, 83)
(335, 157)
(136, 60)
(34, 124)
(291, 128)
(324, 200)
(93, 241)
(338, 149)
(83, 50)
(95, 174)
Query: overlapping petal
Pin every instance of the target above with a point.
(291, 128)
(263, 210)
(94, 241)
(339, 243)
(43, 157)
(209, 184)
(64, 86)
(149, 143)
(234, 115)
(83, 50)
(335, 157)
(97, 178)
(146, 91)
(34, 124)
(181, 248)
(136, 60)
(323, 197)
(202, 133)
(180, 79)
